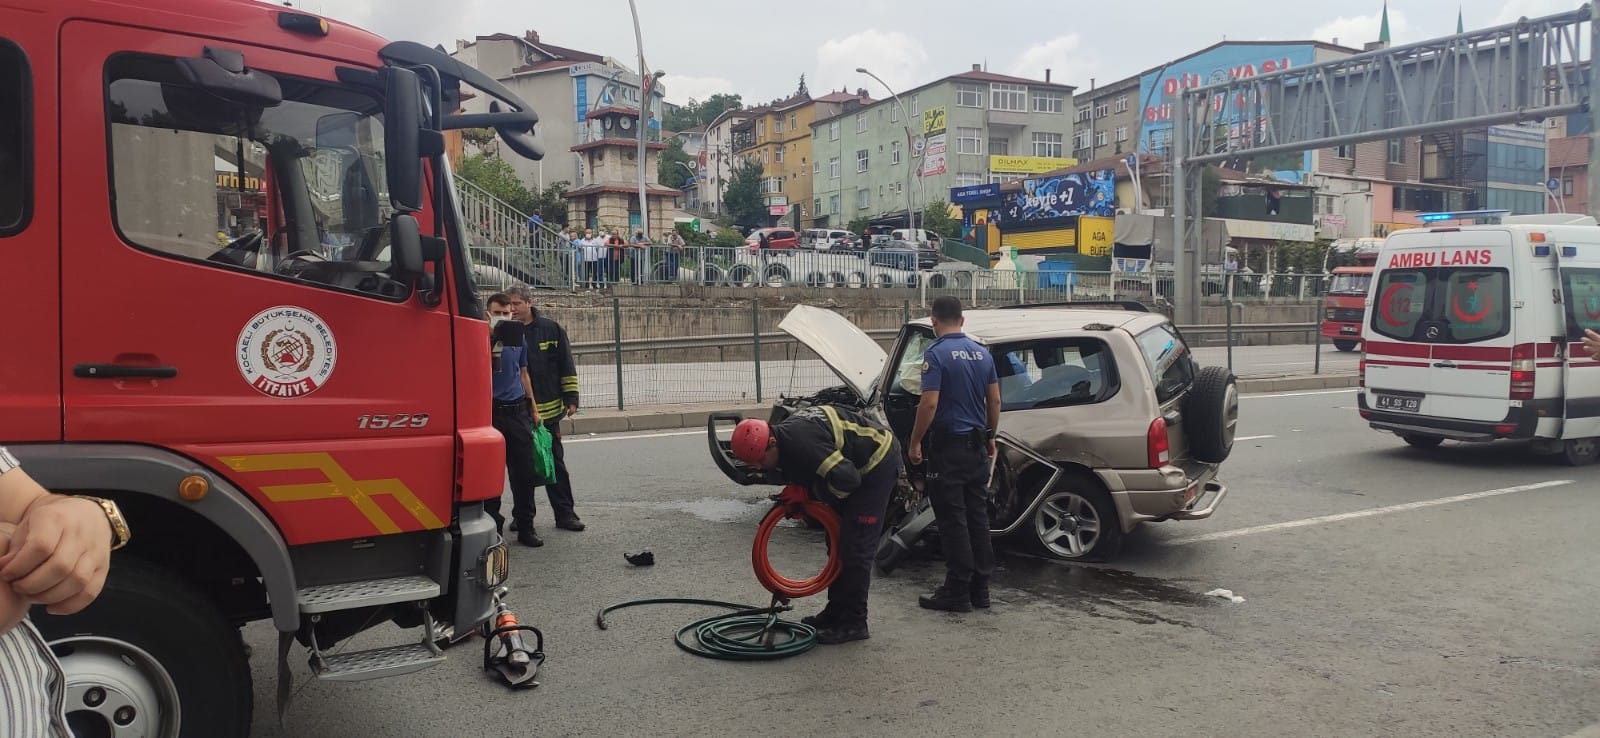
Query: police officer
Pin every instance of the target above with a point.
(851, 463)
(955, 430)
(512, 389)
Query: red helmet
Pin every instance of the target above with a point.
(750, 440)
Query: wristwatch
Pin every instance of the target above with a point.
(120, 533)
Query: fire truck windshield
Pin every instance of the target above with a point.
(296, 189)
(1351, 283)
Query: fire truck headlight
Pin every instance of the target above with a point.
(496, 565)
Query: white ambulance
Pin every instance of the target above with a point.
(1472, 334)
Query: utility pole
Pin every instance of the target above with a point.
(644, 118)
(1587, 70)
(911, 223)
(1186, 307)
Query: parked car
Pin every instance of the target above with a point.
(822, 239)
(925, 238)
(1107, 421)
(779, 238)
(902, 255)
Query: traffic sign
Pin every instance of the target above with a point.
(1554, 184)
(1133, 162)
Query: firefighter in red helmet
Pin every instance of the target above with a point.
(850, 462)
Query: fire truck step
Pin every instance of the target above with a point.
(366, 593)
(376, 663)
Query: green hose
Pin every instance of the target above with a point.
(747, 634)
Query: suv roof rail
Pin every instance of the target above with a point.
(1132, 306)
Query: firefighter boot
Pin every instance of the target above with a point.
(526, 534)
(846, 625)
(952, 596)
(829, 615)
(979, 589)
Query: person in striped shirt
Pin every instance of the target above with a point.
(54, 551)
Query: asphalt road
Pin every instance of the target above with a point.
(1383, 596)
(677, 383)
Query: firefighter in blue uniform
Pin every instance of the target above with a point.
(955, 431)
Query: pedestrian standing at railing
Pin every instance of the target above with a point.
(639, 256)
(674, 254)
(534, 224)
(615, 245)
(594, 254)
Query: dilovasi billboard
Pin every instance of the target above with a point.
(1062, 196)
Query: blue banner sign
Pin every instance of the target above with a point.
(974, 193)
(1063, 196)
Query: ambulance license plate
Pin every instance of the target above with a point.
(1402, 404)
(1347, 329)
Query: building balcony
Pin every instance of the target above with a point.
(1008, 119)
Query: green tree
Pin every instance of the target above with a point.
(727, 238)
(479, 137)
(742, 199)
(859, 225)
(496, 177)
(697, 113)
(552, 203)
(672, 169)
(937, 218)
(1210, 185)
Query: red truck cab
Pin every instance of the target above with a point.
(240, 305)
(1344, 306)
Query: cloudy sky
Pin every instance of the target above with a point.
(710, 46)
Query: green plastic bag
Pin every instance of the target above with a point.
(544, 455)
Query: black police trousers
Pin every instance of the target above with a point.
(512, 419)
(958, 488)
(860, 523)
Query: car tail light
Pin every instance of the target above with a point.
(1160, 447)
(1361, 371)
(1522, 371)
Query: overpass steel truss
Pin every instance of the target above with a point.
(1524, 71)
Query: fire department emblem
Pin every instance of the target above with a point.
(286, 352)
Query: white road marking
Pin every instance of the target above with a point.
(1252, 438)
(1307, 522)
(1298, 394)
(620, 437)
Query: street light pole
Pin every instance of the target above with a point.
(645, 79)
(911, 224)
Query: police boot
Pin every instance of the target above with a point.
(849, 624)
(952, 596)
(979, 591)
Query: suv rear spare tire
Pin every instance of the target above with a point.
(1211, 414)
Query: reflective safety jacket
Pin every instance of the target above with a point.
(833, 445)
(550, 367)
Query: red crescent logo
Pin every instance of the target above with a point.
(1388, 302)
(1466, 317)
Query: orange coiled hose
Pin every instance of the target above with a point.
(791, 504)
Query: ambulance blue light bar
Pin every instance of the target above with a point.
(1494, 215)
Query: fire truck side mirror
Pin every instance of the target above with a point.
(405, 242)
(402, 124)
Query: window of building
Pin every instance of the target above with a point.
(894, 153)
(861, 123)
(792, 121)
(1080, 140)
(1122, 103)
(969, 140)
(772, 185)
(833, 131)
(999, 146)
(1101, 110)
(969, 96)
(1397, 151)
(1006, 178)
(761, 128)
(777, 125)
(1048, 144)
(1566, 187)
(833, 168)
(1083, 114)
(1008, 97)
(1122, 133)
(226, 176)
(862, 197)
(861, 160)
(968, 180)
(1099, 138)
(816, 167)
(1342, 151)
(778, 156)
(16, 147)
(816, 206)
(1049, 102)
(916, 105)
(833, 204)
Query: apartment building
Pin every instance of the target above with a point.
(717, 159)
(972, 128)
(778, 135)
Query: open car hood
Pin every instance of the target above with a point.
(846, 349)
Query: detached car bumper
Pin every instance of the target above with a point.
(1170, 493)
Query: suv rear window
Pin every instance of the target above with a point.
(1581, 288)
(1168, 360)
(1442, 305)
(1055, 373)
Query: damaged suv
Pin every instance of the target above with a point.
(1107, 421)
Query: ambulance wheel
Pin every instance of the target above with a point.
(1346, 346)
(151, 656)
(1416, 441)
(1580, 451)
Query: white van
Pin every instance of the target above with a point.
(1472, 334)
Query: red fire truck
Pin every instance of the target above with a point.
(238, 302)
(1344, 307)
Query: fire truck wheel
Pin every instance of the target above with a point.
(151, 654)
(1346, 346)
